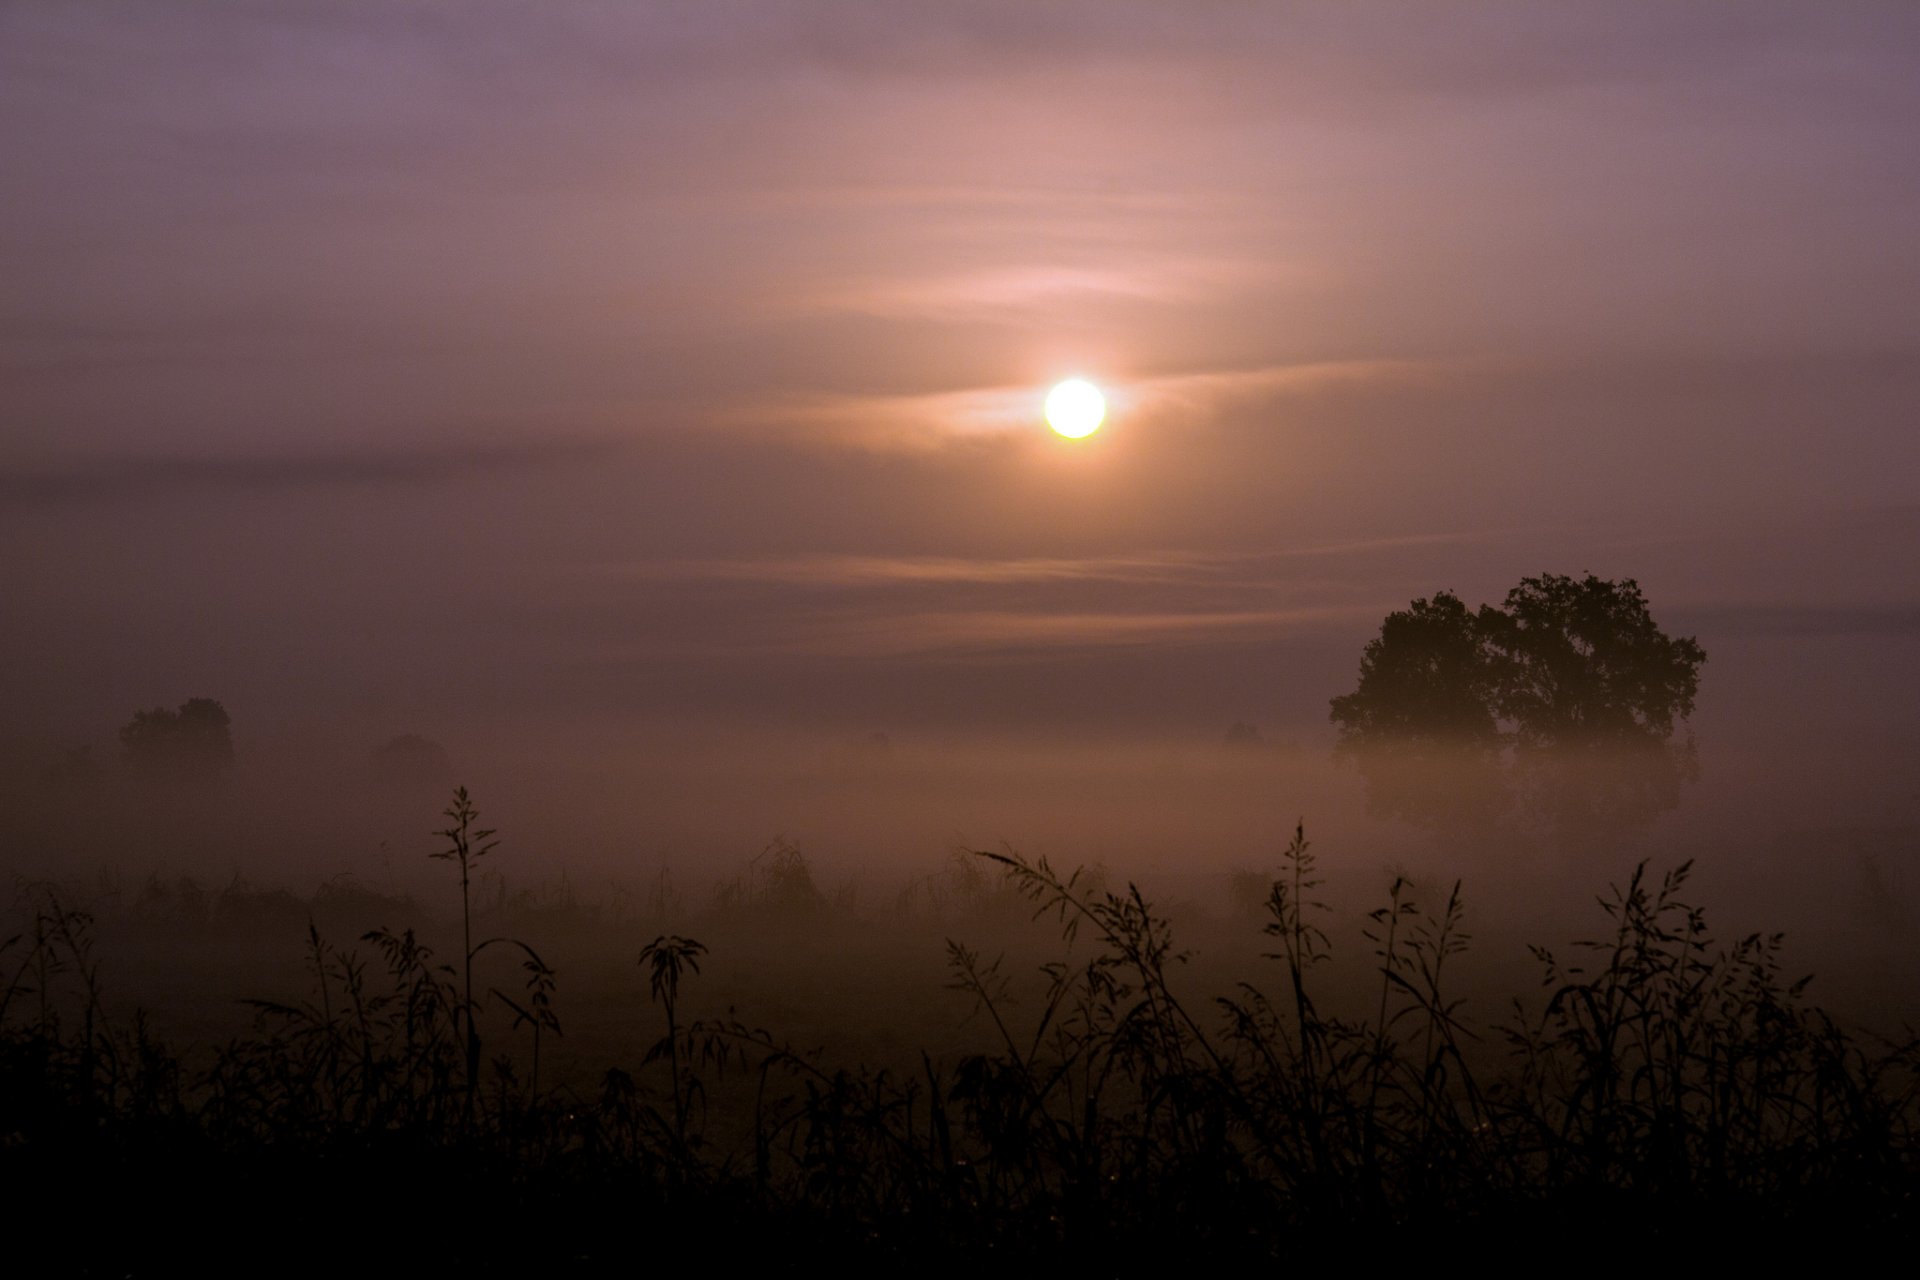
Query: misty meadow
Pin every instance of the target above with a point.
(1094, 635)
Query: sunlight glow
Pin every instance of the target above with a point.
(1075, 408)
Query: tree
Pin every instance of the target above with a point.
(1566, 698)
(194, 742)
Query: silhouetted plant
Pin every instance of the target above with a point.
(466, 846)
(666, 959)
(537, 1011)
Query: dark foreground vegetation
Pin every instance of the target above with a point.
(1662, 1086)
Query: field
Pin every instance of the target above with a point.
(1001, 1059)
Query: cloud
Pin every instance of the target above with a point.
(140, 478)
(1502, 48)
(931, 420)
(880, 571)
(954, 609)
(1040, 292)
(986, 635)
(1012, 635)
(1147, 567)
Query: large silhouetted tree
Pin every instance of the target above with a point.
(1566, 698)
(194, 742)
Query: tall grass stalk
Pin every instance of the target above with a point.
(466, 846)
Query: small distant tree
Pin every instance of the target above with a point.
(193, 742)
(1566, 698)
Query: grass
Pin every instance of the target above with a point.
(1659, 1084)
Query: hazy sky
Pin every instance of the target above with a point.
(413, 364)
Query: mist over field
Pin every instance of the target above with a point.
(1803, 816)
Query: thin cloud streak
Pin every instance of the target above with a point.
(1212, 391)
(1163, 567)
(880, 571)
(139, 478)
(936, 419)
(1036, 293)
(992, 635)
(986, 634)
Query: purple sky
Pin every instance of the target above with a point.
(402, 366)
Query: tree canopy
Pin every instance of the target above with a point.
(1568, 695)
(1429, 678)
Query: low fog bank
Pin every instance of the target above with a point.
(1823, 843)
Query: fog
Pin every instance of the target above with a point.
(1803, 816)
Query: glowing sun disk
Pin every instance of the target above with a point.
(1075, 408)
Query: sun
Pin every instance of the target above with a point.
(1075, 408)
